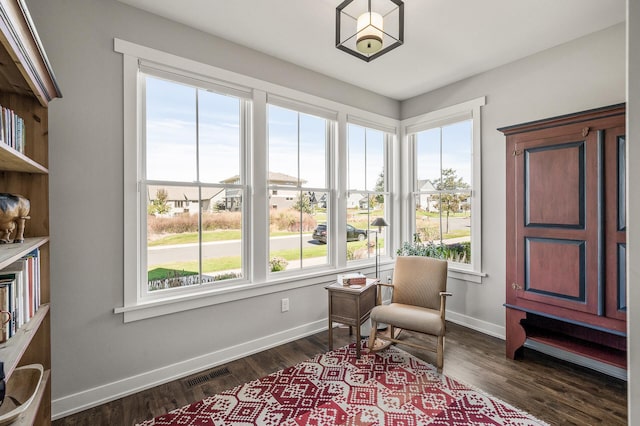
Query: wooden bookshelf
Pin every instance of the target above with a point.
(27, 85)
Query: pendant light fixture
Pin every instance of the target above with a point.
(366, 33)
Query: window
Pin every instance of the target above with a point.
(367, 190)
(230, 184)
(297, 180)
(191, 182)
(445, 178)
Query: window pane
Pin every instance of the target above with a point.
(219, 133)
(283, 144)
(428, 217)
(170, 131)
(456, 152)
(428, 158)
(356, 156)
(297, 158)
(221, 233)
(292, 223)
(365, 159)
(172, 236)
(375, 161)
(313, 141)
(457, 235)
(315, 247)
(358, 244)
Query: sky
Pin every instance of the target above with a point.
(172, 137)
(453, 153)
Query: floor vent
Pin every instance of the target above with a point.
(198, 380)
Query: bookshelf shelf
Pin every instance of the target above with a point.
(9, 253)
(13, 161)
(13, 349)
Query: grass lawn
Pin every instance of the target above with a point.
(207, 236)
(219, 264)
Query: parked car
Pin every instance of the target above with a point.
(353, 233)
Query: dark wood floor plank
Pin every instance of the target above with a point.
(555, 391)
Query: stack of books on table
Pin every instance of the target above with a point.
(353, 279)
(19, 293)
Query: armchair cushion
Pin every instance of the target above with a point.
(410, 317)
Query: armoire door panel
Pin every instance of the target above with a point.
(555, 268)
(555, 274)
(554, 185)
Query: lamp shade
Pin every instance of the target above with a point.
(369, 32)
(379, 222)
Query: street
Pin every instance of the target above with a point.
(189, 252)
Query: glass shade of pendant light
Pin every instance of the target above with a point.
(369, 32)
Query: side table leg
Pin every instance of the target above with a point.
(330, 325)
(358, 342)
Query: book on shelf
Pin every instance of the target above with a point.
(23, 279)
(12, 129)
(10, 285)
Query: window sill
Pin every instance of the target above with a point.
(233, 292)
(466, 275)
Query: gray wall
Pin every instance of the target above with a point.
(92, 350)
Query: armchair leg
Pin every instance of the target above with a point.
(372, 335)
(440, 353)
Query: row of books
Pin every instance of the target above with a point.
(19, 293)
(12, 130)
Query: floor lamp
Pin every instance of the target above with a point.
(379, 222)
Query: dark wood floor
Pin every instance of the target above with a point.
(552, 390)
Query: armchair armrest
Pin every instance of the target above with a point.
(443, 301)
(379, 291)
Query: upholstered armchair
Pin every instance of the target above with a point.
(417, 304)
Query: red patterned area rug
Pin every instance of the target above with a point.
(390, 388)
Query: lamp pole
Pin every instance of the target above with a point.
(379, 222)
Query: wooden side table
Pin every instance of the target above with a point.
(351, 305)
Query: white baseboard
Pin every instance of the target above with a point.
(476, 324)
(70, 404)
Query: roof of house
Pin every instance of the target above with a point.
(182, 193)
(275, 178)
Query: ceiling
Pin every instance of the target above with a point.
(445, 40)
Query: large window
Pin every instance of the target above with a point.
(299, 201)
(231, 185)
(367, 191)
(191, 183)
(445, 181)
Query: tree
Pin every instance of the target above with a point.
(450, 202)
(159, 205)
(303, 203)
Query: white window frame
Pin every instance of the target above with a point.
(330, 140)
(259, 282)
(198, 83)
(412, 126)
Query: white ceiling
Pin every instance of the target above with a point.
(445, 40)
